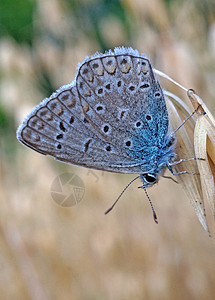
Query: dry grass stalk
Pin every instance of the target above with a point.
(196, 139)
(204, 143)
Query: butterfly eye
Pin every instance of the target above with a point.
(150, 178)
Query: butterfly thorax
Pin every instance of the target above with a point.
(162, 156)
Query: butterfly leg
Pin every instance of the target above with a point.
(183, 160)
(182, 172)
(172, 164)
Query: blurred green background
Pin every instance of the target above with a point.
(51, 252)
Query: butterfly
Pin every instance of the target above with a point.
(111, 117)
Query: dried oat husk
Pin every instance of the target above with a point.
(204, 144)
(195, 139)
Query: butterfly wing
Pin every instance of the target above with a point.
(106, 119)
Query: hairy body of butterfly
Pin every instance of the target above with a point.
(112, 117)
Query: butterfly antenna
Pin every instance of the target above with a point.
(186, 120)
(153, 211)
(112, 206)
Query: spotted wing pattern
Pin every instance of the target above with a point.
(108, 118)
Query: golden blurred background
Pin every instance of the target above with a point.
(48, 251)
